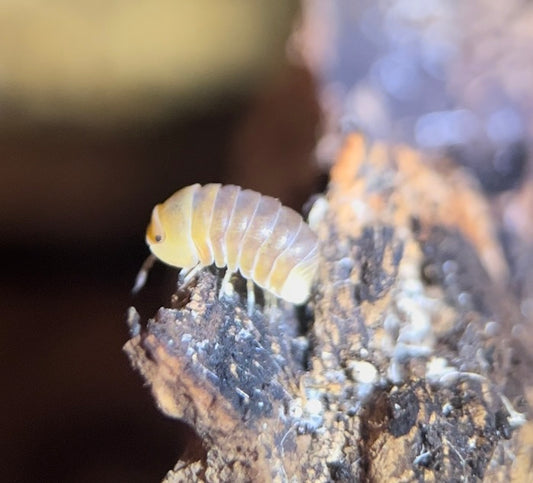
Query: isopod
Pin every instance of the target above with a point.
(268, 243)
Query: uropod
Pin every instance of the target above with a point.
(225, 225)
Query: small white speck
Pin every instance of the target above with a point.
(314, 407)
(327, 356)
(437, 369)
(363, 372)
(447, 409)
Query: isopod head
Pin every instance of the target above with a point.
(169, 232)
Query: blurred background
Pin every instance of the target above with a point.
(107, 108)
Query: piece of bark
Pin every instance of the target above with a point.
(401, 368)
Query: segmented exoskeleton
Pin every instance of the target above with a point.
(268, 243)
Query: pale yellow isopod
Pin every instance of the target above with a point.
(268, 243)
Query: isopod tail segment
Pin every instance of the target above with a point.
(268, 243)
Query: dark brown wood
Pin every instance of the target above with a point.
(402, 367)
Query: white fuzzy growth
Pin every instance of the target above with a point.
(367, 377)
(437, 369)
(363, 372)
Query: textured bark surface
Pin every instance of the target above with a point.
(401, 368)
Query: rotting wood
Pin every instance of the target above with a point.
(401, 368)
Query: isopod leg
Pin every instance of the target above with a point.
(271, 301)
(251, 296)
(189, 274)
(271, 305)
(140, 280)
(224, 287)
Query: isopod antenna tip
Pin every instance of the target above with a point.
(140, 280)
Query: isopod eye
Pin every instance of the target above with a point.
(155, 232)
